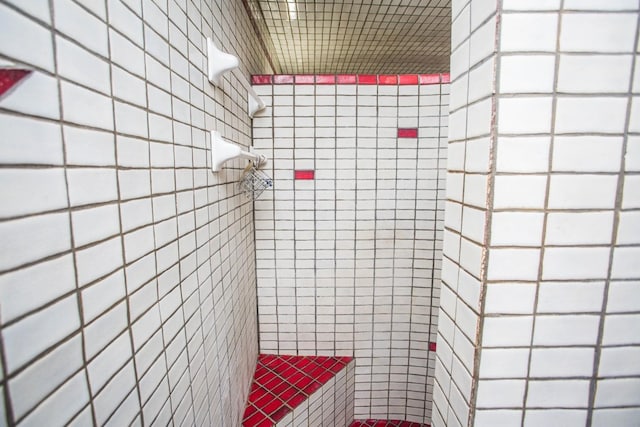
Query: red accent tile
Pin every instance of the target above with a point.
(429, 79)
(280, 413)
(326, 79)
(305, 79)
(346, 79)
(388, 79)
(297, 399)
(407, 133)
(367, 79)
(432, 346)
(9, 77)
(313, 386)
(445, 78)
(255, 420)
(304, 174)
(261, 79)
(283, 79)
(408, 79)
(249, 410)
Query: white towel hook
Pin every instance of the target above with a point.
(223, 151)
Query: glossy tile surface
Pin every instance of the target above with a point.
(281, 383)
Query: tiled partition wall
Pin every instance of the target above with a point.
(348, 263)
(127, 285)
(542, 237)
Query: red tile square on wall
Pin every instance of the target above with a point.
(305, 79)
(409, 79)
(407, 132)
(325, 79)
(261, 79)
(304, 174)
(281, 79)
(388, 79)
(346, 79)
(367, 79)
(429, 79)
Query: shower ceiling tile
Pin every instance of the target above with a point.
(354, 36)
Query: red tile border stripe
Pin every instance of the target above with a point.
(350, 79)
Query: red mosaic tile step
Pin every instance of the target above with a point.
(386, 423)
(280, 383)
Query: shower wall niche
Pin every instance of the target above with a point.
(348, 243)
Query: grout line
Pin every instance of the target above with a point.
(593, 386)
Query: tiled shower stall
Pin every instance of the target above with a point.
(139, 288)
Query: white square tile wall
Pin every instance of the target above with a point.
(348, 263)
(127, 275)
(556, 346)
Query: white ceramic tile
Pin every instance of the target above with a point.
(62, 405)
(99, 297)
(510, 298)
(479, 118)
(623, 296)
(82, 66)
(524, 115)
(527, 73)
(530, 5)
(570, 297)
(555, 417)
(80, 25)
(38, 86)
(579, 228)
(125, 21)
(126, 54)
(34, 238)
(481, 10)
(85, 107)
(477, 155)
(481, 81)
(492, 417)
(617, 392)
(590, 114)
(594, 73)
(130, 120)
(566, 330)
(482, 42)
(519, 191)
(631, 192)
(109, 361)
(500, 393)
(32, 287)
(34, 334)
(561, 362)
(29, 141)
(558, 393)
(99, 260)
(582, 191)
(128, 87)
(33, 384)
(91, 185)
(528, 32)
(38, 9)
(32, 191)
(619, 329)
(575, 263)
(632, 156)
(586, 154)
(507, 331)
(513, 264)
(596, 5)
(83, 223)
(114, 393)
(516, 228)
(86, 147)
(503, 363)
(596, 32)
(625, 264)
(619, 361)
(523, 154)
(475, 190)
(460, 27)
(36, 45)
(617, 416)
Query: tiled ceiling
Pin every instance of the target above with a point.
(355, 36)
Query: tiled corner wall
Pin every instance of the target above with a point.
(127, 284)
(348, 262)
(542, 229)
